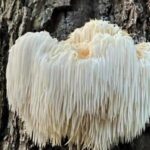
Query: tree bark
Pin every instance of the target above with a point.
(59, 18)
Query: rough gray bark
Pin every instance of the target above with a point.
(59, 18)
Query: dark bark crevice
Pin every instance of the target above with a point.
(52, 24)
(4, 40)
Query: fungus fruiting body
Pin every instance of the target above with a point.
(92, 88)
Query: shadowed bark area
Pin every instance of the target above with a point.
(59, 18)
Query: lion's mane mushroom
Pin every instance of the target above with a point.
(92, 88)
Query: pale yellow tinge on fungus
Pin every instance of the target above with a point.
(84, 53)
(92, 87)
(83, 50)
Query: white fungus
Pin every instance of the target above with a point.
(92, 88)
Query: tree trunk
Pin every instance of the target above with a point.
(59, 18)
